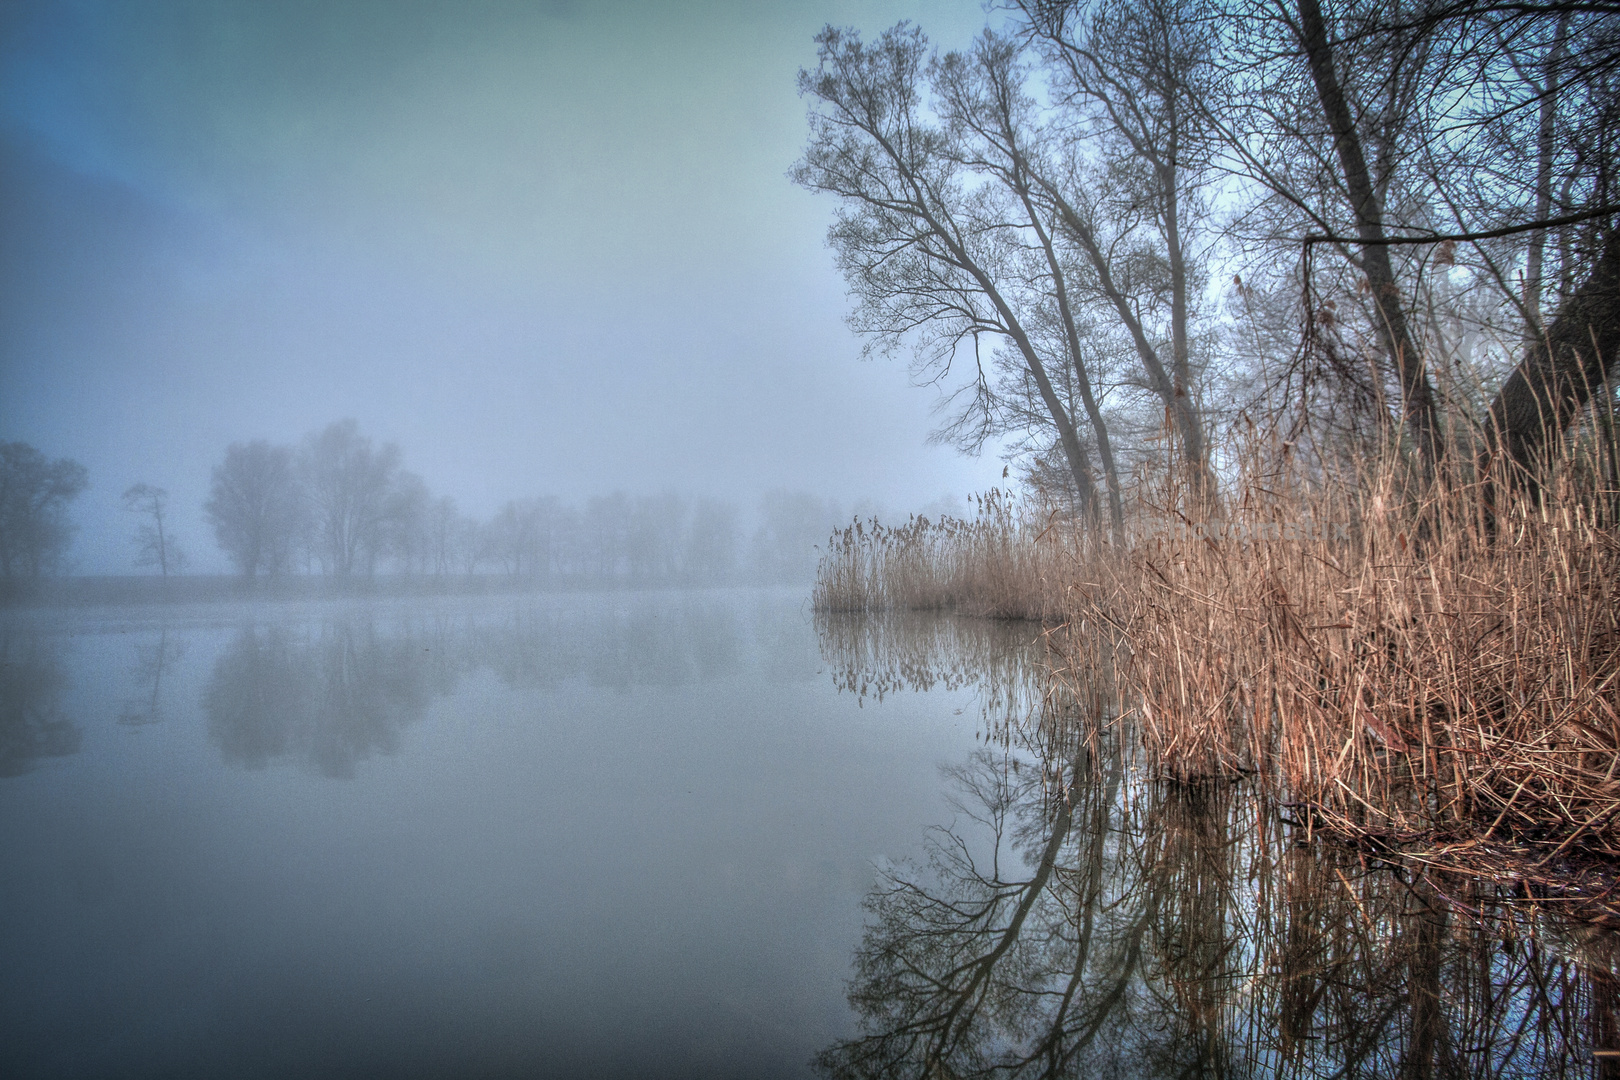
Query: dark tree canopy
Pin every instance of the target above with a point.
(34, 495)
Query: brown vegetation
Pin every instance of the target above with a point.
(1420, 679)
(1392, 600)
(1009, 561)
(1404, 671)
(1074, 912)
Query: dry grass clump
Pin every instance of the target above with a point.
(1425, 673)
(1010, 560)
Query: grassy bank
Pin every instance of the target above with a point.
(1407, 670)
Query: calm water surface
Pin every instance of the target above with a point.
(579, 835)
(691, 835)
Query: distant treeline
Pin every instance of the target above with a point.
(341, 506)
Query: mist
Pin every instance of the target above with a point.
(546, 250)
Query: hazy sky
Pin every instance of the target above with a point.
(545, 247)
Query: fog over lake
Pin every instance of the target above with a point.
(559, 785)
(610, 834)
(546, 248)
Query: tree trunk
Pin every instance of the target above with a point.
(1105, 450)
(1193, 449)
(1417, 395)
(1558, 375)
(1545, 130)
(1182, 414)
(1073, 450)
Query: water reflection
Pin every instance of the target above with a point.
(32, 722)
(875, 656)
(1076, 919)
(152, 661)
(331, 698)
(643, 644)
(334, 692)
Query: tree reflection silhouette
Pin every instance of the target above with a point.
(32, 723)
(646, 643)
(1091, 931)
(330, 699)
(1078, 919)
(151, 663)
(333, 693)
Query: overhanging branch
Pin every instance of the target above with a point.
(1463, 237)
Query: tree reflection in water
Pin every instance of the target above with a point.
(333, 693)
(1078, 919)
(331, 696)
(151, 663)
(647, 643)
(32, 723)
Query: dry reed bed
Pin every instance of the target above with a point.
(1424, 678)
(1006, 562)
(1416, 679)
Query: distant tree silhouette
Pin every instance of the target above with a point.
(34, 493)
(349, 485)
(256, 507)
(155, 543)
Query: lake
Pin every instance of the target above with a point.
(688, 834)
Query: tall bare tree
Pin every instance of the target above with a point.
(154, 541)
(709, 553)
(348, 482)
(1362, 187)
(1130, 78)
(996, 132)
(920, 241)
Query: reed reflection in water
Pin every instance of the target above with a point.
(1077, 918)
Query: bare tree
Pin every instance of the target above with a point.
(1574, 357)
(654, 544)
(1361, 185)
(982, 97)
(404, 527)
(605, 536)
(33, 720)
(1060, 196)
(442, 532)
(470, 544)
(791, 524)
(154, 542)
(1130, 80)
(513, 537)
(1446, 138)
(1532, 188)
(256, 506)
(921, 243)
(709, 554)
